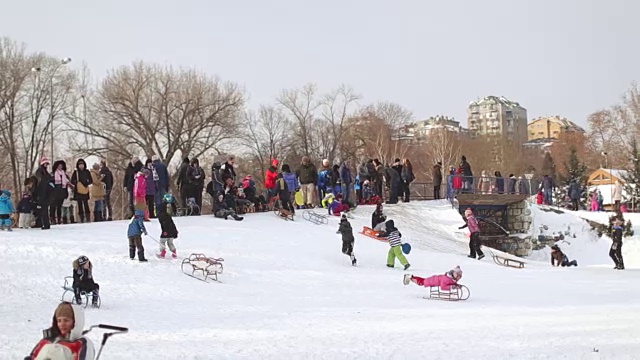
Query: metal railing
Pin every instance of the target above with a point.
(458, 184)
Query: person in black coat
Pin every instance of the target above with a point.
(377, 217)
(107, 179)
(183, 182)
(348, 240)
(83, 280)
(616, 247)
(196, 176)
(81, 179)
(43, 194)
(168, 228)
(393, 179)
(227, 171)
(130, 177)
(224, 206)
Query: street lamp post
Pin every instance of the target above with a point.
(37, 70)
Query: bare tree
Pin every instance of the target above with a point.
(31, 101)
(336, 107)
(302, 104)
(268, 136)
(443, 145)
(159, 110)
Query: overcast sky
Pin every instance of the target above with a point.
(564, 57)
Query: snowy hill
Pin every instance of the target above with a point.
(288, 293)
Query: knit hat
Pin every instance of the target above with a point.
(457, 270)
(65, 310)
(275, 163)
(44, 160)
(468, 212)
(96, 166)
(83, 260)
(343, 217)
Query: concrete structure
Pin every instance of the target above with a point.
(420, 130)
(497, 116)
(551, 127)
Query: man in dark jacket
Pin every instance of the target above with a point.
(436, 173)
(393, 179)
(163, 179)
(308, 177)
(467, 175)
(183, 182)
(107, 179)
(347, 238)
(346, 179)
(575, 192)
(227, 170)
(547, 187)
(43, 194)
(129, 178)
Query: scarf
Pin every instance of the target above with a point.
(60, 178)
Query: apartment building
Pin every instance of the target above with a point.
(551, 127)
(497, 116)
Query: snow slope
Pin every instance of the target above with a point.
(288, 293)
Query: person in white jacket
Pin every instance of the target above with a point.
(617, 196)
(64, 340)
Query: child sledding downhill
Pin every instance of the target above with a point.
(445, 282)
(6, 210)
(347, 238)
(83, 280)
(134, 232)
(168, 228)
(474, 238)
(378, 219)
(392, 234)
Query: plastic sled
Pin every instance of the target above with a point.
(68, 295)
(315, 218)
(457, 293)
(500, 260)
(207, 268)
(406, 248)
(367, 231)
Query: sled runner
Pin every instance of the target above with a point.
(201, 264)
(507, 262)
(87, 297)
(315, 218)
(192, 208)
(280, 212)
(457, 293)
(367, 231)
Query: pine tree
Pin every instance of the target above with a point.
(549, 167)
(632, 176)
(576, 170)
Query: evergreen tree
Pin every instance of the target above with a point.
(632, 176)
(576, 170)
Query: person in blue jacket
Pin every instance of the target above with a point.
(134, 233)
(161, 172)
(6, 210)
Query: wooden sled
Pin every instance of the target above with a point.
(457, 293)
(282, 213)
(507, 262)
(315, 218)
(209, 268)
(367, 231)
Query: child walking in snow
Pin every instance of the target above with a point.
(6, 210)
(445, 282)
(393, 236)
(474, 239)
(83, 280)
(168, 227)
(134, 232)
(25, 209)
(616, 246)
(347, 238)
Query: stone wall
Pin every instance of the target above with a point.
(519, 217)
(510, 244)
(519, 222)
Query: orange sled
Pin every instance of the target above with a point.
(367, 231)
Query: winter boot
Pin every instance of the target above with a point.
(174, 255)
(132, 253)
(389, 266)
(81, 218)
(87, 216)
(52, 220)
(65, 220)
(141, 257)
(480, 257)
(72, 219)
(407, 266)
(162, 253)
(407, 279)
(238, 218)
(59, 220)
(353, 260)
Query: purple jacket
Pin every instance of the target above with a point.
(472, 223)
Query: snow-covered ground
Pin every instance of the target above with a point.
(288, 293)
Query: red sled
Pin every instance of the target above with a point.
(367, 231)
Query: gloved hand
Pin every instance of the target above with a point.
(338, 232)
(461, 227)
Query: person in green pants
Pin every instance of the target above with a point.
(393, 236)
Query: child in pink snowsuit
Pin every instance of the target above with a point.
(140, 192)
(445, 282)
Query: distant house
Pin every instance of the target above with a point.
(604, 180)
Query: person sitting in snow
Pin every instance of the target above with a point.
(83, 280)
(445, 282)
(328, 198)
(168, 228)
(338, 206)
(367, 192)
(6, 210)
(347, 238)
(64, 340)
(474, 238)
(392, 235)
(558, 258)
(616, 246)
(378, 217)
(134, 233)
(224, 206)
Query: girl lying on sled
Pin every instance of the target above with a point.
(446, 282)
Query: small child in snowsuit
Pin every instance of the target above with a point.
(367, 192)
(558, 258)
(445, 282)
(347, 238)
(83, 280)
(168, 227)
(134, 232)
(68, 206)
(616, 246)
(25, 209)
(474, 239)
(6, 210)
(393, 236)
